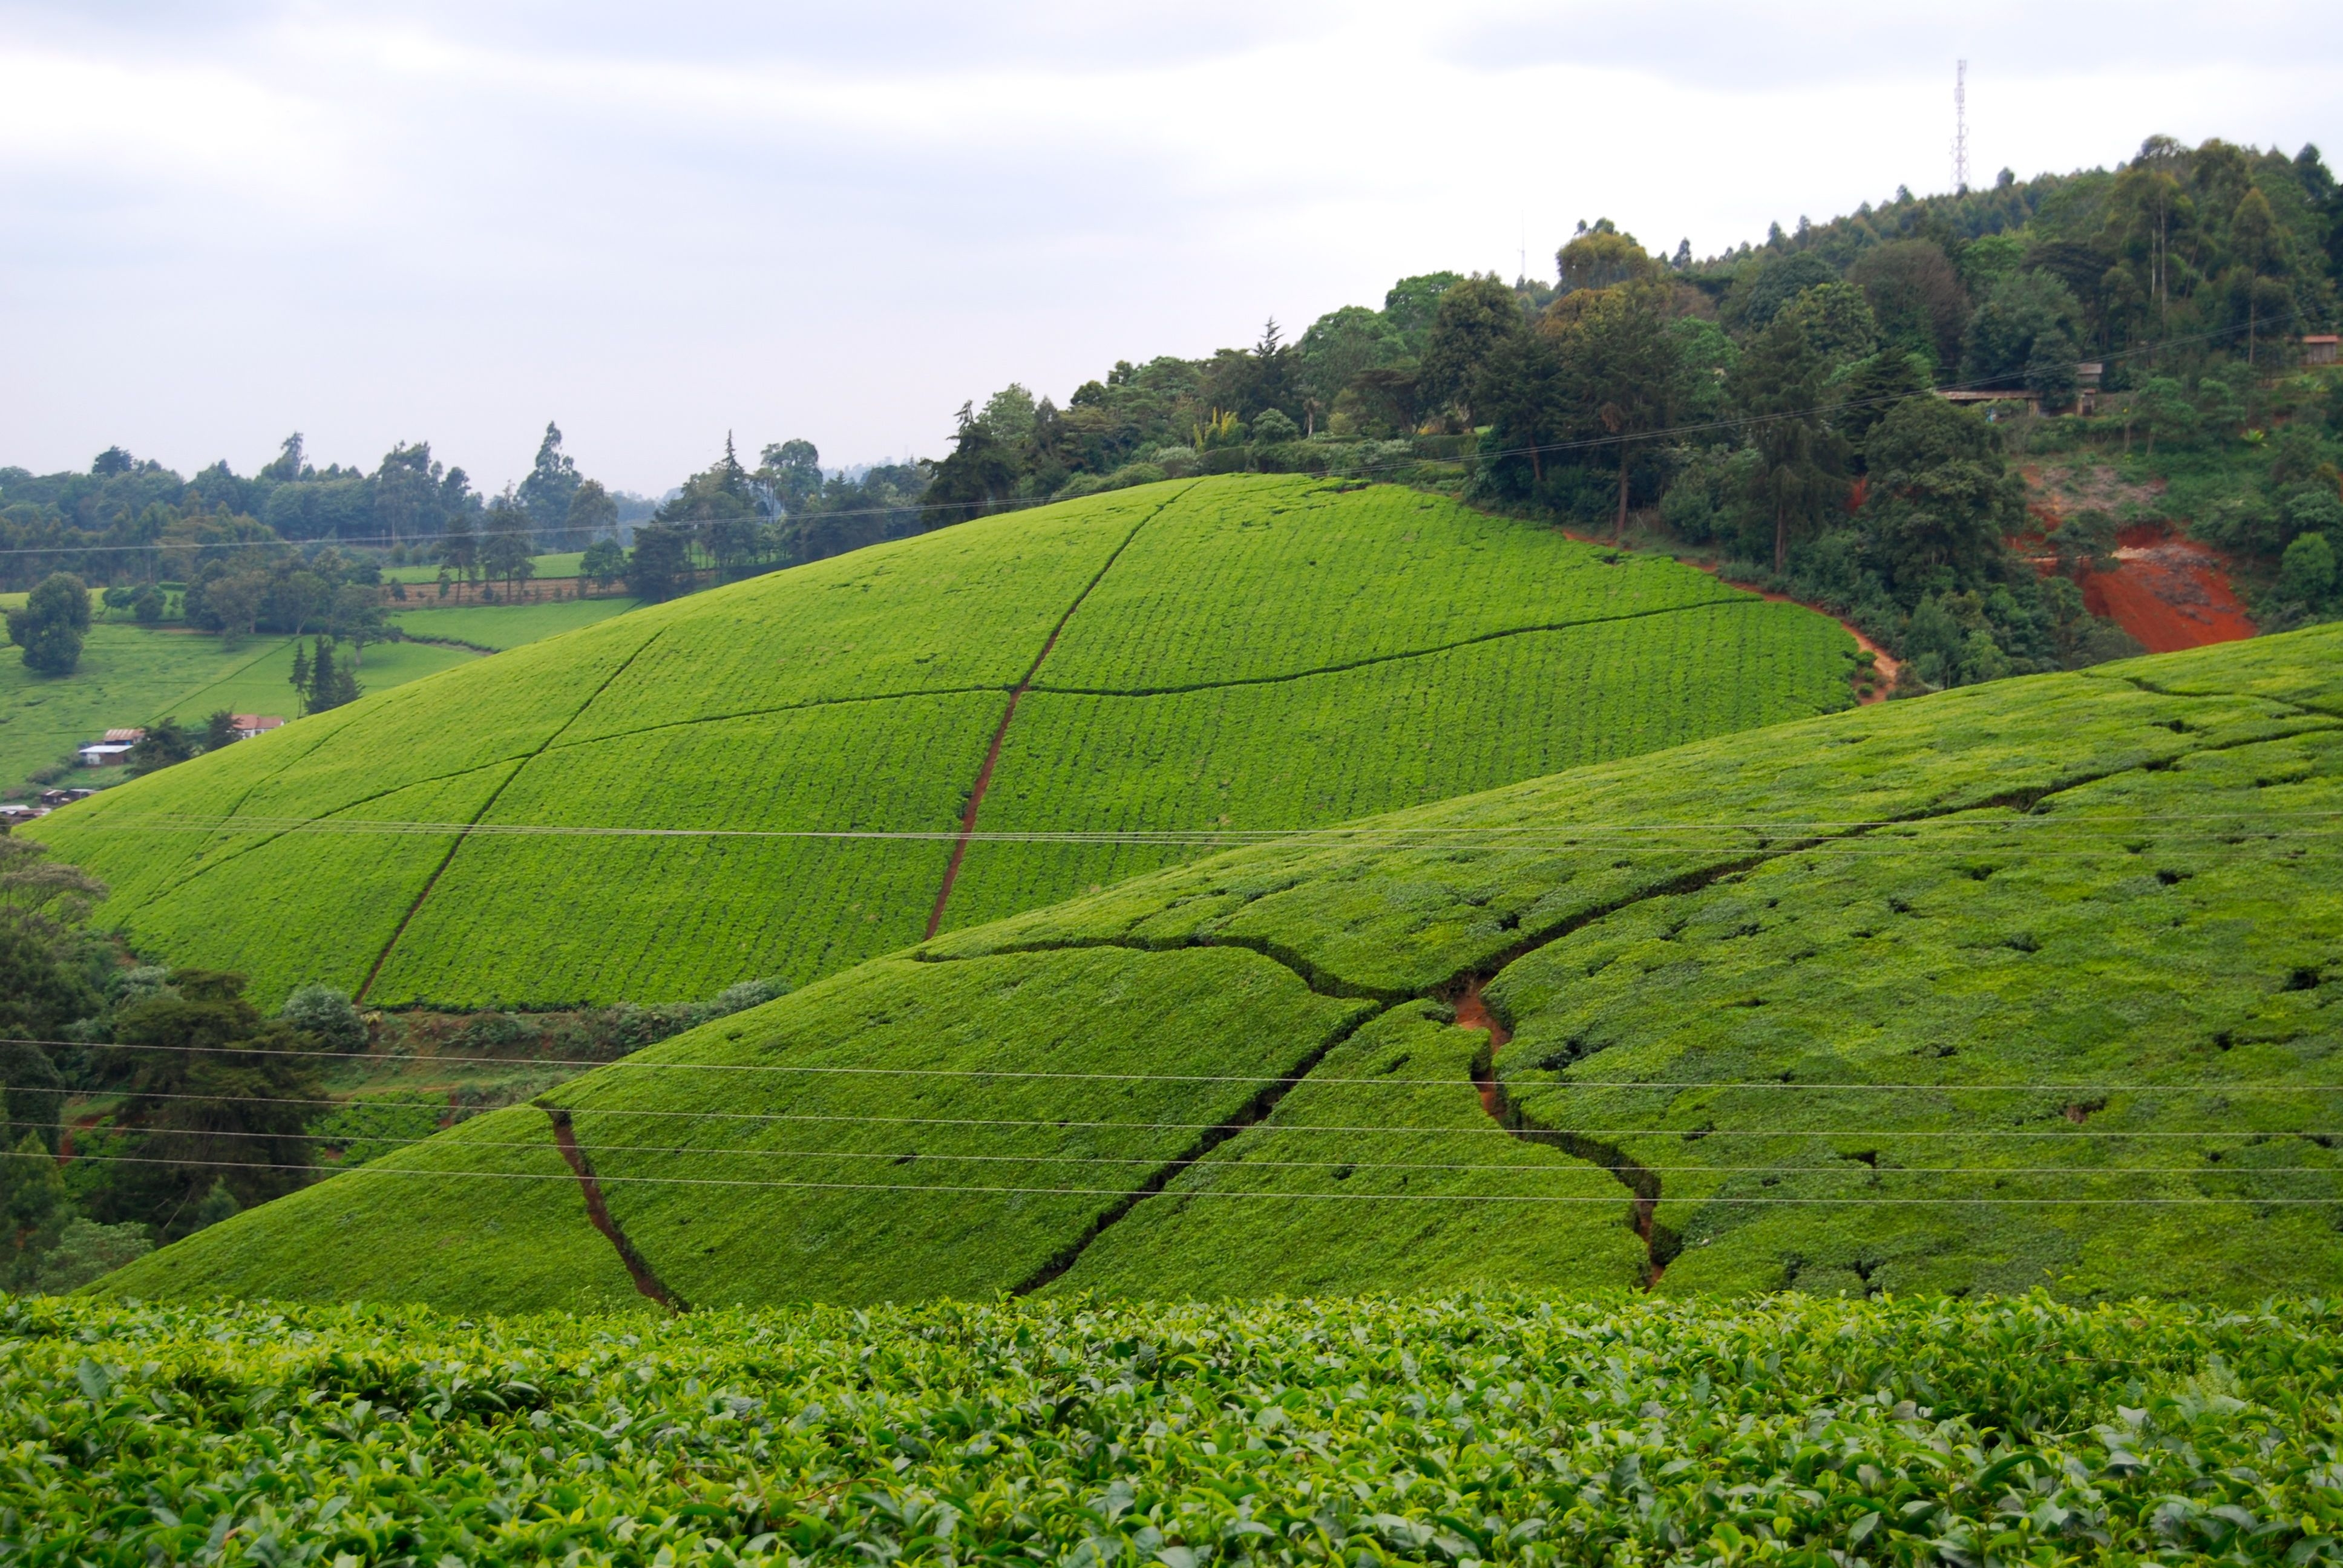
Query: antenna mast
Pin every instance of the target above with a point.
(1960, 127)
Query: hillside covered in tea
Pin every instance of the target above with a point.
(778, 777)
(2030, 984)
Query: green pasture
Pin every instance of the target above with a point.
(500, 626)
(1514, 1429)
(1238, 654)
(130, 676)
(2019, 986)
(558, 564)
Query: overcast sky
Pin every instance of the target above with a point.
(228, 220)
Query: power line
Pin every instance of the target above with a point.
(1547, 447)
(811, 1070)
(1848, 1166)
(1056, 1124)
(964, 1189)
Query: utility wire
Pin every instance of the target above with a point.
(1055, 1124)
(1542, 448)
(810, 1070)
(964, 1189)
(1849, 1167)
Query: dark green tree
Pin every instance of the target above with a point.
(165, 745)
(1803, 469)
(1623, 370)
(978, 476)
(660, 565)
(1941, 498)
(220, 1093)
(220, 730)
(1476, 318)
(551, 485)
(52, 623)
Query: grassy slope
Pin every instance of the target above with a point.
(1252, 652)
(507, 626)
(2117, 883)
(131, 676)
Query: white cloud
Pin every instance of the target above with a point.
(382, 221)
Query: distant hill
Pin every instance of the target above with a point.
(770, 778)
(2026, 984)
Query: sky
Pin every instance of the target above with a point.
(383, 220)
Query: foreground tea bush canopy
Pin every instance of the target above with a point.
(2028, 985)
(1235, 653)
(1501, 1430)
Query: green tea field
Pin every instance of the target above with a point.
(808, 770)
(1504, 1429)
(2027, 985)
(501, 627)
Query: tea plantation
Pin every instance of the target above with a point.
(2026, 985)
(1511, 1430)
(771, 779)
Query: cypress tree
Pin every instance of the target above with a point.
(324, 679)
(301, 670)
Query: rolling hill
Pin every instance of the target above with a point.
(2018, 985)
(777, 774)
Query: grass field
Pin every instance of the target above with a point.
(1512, 1429)
(131, 676)
(1239, 654)
(500, 626)
(2024, 985)
(560, 564)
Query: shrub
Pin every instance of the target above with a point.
(322, 1010)
(2305, 574)
(87, 1251)
(1273, 429)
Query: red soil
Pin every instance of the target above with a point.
(2171, 593)
(1472, 1012)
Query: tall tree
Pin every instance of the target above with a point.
(505, 543)
(1940, 500)
(978, 476)
(1476, 317)
(1803, 460)
(660, 565)
(1623, 368)
(552, 484)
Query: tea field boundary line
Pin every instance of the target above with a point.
(1009, 712)
(1737, 601)
(1258, 1109)
(293, 756)
(488, 805)
(802, 705)
(270, 830)
(1872, 1131)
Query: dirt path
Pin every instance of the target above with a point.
(1642, 1186)
(1000, 731)
(1887, 663)
(598, 1211)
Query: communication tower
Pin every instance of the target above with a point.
(1960, 127)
